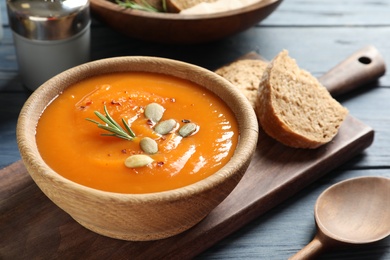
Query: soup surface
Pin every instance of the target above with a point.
(76, 148)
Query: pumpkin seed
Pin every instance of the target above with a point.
(148, 145)
(138, 160)
(187, 129)
(165, 127)
(154, 112)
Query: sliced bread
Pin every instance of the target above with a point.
(294, 108)
(245, 75)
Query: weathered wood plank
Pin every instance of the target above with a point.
(316, 49)
(332, 13)
(10, 105)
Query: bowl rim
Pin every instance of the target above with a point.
(248, 124)
(182, 17)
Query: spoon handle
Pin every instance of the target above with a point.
(310, 250)
(362, 67)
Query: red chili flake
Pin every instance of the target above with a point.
(87, 103)
(114, 102)
(109, 155)
(124, 151)
(149, 122)
(160, 164)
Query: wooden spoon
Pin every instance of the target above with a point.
(355, 211)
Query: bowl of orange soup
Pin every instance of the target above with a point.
(137, 148)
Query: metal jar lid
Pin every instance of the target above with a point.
(48, 19)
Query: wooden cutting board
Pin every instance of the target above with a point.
(31, 226)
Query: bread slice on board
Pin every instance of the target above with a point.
(245, 74)
(294, 108)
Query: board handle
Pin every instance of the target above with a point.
(362, 67)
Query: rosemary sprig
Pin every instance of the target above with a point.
(112, 126)
(143, 7)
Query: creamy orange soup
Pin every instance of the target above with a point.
(76, 148)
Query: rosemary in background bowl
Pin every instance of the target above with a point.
(143, 5)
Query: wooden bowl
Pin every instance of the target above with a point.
(178, 28)
(137, 217)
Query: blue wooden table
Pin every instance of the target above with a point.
(318, 34)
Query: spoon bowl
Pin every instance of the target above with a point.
(355, 211)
